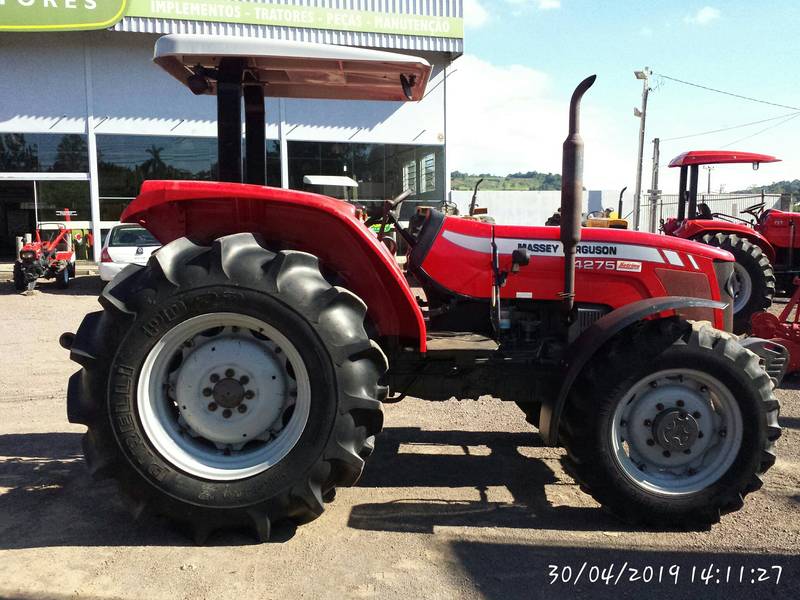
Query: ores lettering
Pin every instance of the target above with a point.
(84, 4)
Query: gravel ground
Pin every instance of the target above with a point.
(459, 500)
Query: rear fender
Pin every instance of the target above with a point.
(592, 339)
(293, 220)
(695, 229)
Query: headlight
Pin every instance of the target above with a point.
(27, 255)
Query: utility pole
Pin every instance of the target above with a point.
(708, 168)
(642, 114)
(654, 191)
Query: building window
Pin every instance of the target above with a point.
(410, 175)
(124, 162)
(43, 153)
(427, 173)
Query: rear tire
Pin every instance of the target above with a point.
(754, 275)
(706, 394)
(19, 278)
(313, 339)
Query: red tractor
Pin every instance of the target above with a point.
(238, 378)
(49, 256)
(762, 245)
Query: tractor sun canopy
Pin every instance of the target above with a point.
(294, 70)
(236, 69)
(690, 163)
(719, 157)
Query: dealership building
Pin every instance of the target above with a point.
(86, 116)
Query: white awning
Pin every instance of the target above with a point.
(299, 70)
(334, 180)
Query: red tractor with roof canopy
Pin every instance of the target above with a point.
(763, 245)
(237, 379)
(48, 256)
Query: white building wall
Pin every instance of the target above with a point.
(515, 208)
(44, 92)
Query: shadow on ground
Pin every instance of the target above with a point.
(503, 465)
(51, 500)
(507, 571)
(86, 285)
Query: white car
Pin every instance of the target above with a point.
(125, 245)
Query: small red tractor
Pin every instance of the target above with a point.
(238, 378)
(48, 256)
(763, 245)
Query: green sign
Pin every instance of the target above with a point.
(73, 15)
(290, 15)
(59, 15)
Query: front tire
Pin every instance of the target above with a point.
(63, 278)
(754, 277)
(19, 278)
(281, 355)
(672, 427)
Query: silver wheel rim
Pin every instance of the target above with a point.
(742, 287)
(676, 432)
(223, 396)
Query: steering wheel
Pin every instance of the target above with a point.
(755, 210)
(388, 207)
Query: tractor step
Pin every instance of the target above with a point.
(456, 340)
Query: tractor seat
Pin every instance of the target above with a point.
(703, 211)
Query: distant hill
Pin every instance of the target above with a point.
(779, 187)
(532, 180)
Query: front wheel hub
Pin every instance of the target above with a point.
(675, 430)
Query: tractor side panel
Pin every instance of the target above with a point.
(322, 226)
(614, 267)
(781, 229)
(695, 229)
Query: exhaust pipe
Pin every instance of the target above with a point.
(572, 194)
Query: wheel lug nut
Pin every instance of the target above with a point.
(667, 453)
(647, 422)
(242, 408)
(703, 389)
(212, 406)
(696, 414)
(659, 406)
(249, 394)
(651, 442)
(244, 380)
(723, 432)
(679, 403)
(214, 378)
(700, 434)
(227, 413)
(687, 451)
(207, 392)
(229, 373)
(691, 472)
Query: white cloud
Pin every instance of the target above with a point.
(704, 16)
(475, 15)
(503, 119)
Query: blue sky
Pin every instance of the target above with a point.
(523, 57)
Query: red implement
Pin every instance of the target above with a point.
(784, 329)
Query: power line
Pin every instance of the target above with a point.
(683, 137)
(789, 118)
(740, 96)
